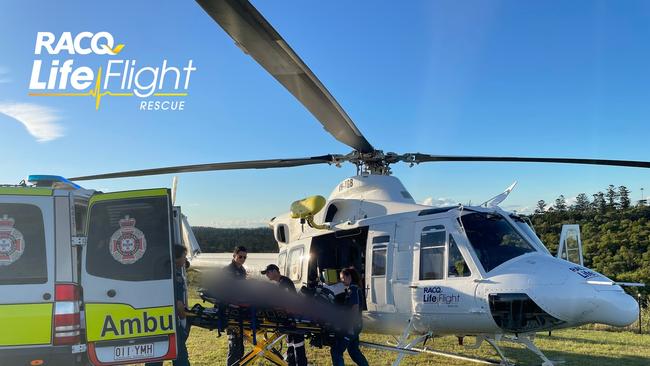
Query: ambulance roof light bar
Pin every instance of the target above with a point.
(52, 181)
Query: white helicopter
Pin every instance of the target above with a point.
(461, 270)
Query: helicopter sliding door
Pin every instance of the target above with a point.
(379, 267)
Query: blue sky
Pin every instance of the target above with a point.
(549, 79)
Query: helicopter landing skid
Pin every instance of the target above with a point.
(493, 342)
(409, 348)
(403, 342)
(528, 341)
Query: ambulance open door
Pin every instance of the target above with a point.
(127, 276)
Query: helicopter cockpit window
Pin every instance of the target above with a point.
(432, 253)
(456, 266)
(494, 240)
(527, 227)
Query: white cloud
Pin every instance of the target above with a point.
(521, 209)
(570, 201)
(40, 121)
(439, 202)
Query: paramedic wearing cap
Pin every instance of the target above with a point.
(295, 342)
(236, 271)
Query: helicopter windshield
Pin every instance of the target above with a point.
(494, 240)
(527, 227)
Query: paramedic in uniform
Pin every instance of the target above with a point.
(295, 342)
(349, 338)
(180, 296)
(236, 271)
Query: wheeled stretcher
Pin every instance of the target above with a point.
(263, 324)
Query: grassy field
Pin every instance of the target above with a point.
(572, 346)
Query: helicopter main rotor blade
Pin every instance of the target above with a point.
(422, 158)
(252, 164)
(256, 37)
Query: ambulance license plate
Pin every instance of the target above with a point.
(133, 352)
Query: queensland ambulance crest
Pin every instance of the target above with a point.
(128, 244)
(12, 243)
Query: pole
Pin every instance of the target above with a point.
(638, 296)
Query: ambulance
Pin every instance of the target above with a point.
(86, 277)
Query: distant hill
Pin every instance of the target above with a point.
(217, 240)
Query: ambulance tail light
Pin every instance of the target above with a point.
(67, 321)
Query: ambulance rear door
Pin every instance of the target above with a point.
(26, 271)
(126, 278)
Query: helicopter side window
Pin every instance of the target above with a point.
(456, 266)
(295, 263)
(494, 240)
(282, 262)
(432, 253)
(379, 250)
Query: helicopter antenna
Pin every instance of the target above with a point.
(496, 200)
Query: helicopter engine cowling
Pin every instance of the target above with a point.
(549, 293)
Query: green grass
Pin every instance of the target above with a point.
(573, 346)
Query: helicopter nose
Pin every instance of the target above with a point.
(582, 303)
(613, 307)
(556, 294)
(586, 297)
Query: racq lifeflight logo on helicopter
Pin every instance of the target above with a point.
(162, 87)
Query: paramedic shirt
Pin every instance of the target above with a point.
(238, 273)
(353, 297)
(285, 283)
(179, 286)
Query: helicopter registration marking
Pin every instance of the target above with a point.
(583, 272)
(435, 295)
(346, 184)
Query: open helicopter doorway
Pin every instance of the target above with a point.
(335, 251)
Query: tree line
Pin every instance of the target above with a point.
(615, 233)
(219, 240)
(612, 199)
